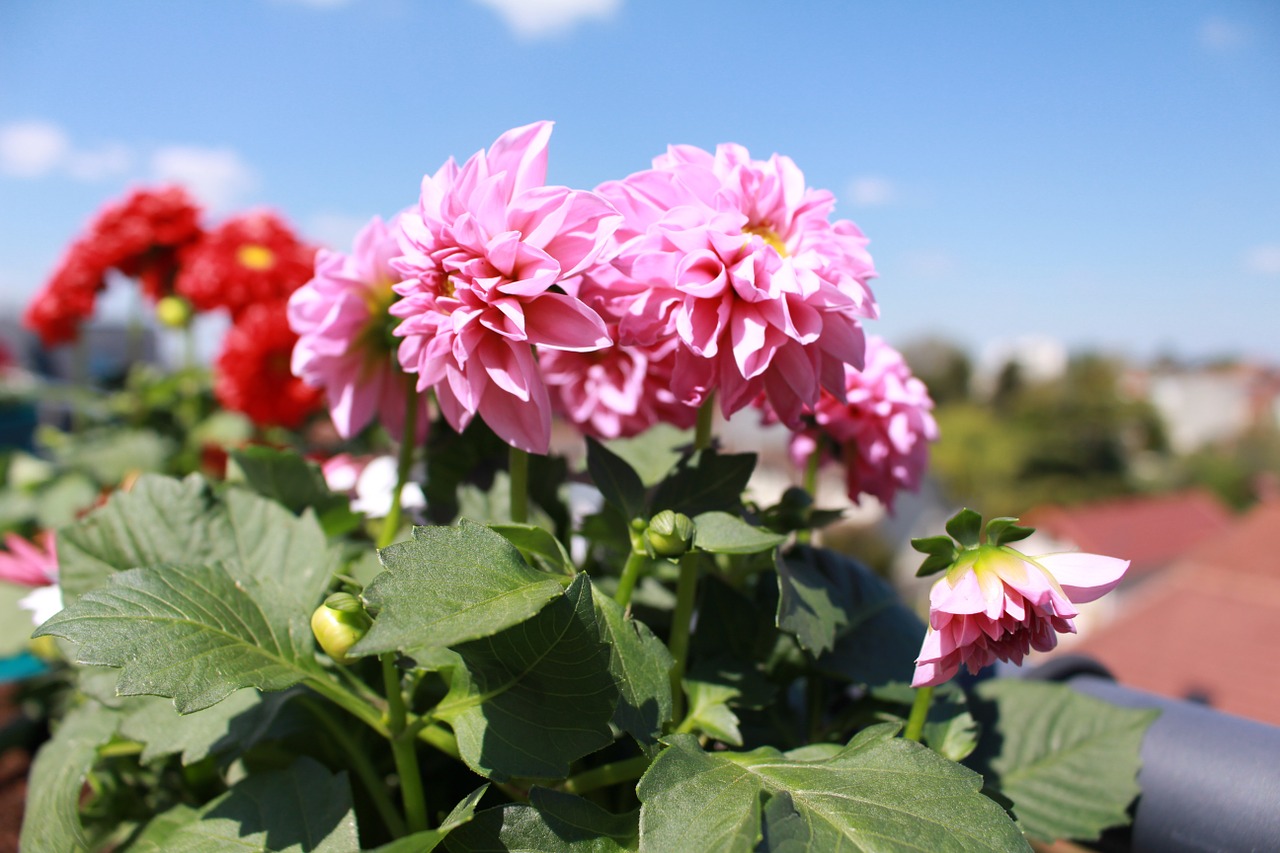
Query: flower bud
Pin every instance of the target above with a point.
(174, 312)
(670, 534)
(338, 624)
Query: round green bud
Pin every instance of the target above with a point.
(670, 534)
(338, 624)
(174, 312)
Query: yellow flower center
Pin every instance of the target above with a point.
(769, 236)
(256, 257)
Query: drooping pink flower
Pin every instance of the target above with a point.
(995, 603)
(345, 344)
(737, 259)
(483, 253)
(880, 432)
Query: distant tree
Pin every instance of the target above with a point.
(943, 366)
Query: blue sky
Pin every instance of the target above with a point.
(1107, 174)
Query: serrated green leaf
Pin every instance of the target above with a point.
(293, 481)
(965, 527)
(428, 840)
(231, 726)
(108, 455)
(449, 585)
(616, 480)
(536, 543)
(1002, 531)
(722, 533)
(640, 664)
(1069, 762)
(653, 453)
(880, 793)
(553, 821)
(535, 697)
(816, 597)
(709, 711)
(705, 482)
(302, 809)
(192, 633)
(51, 820)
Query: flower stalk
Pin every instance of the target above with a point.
(681, 624)
(391, 524)
(519, 472)
(402, 748)
(919, 713)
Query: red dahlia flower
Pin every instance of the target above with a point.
(253, 369)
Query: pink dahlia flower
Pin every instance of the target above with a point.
(33, 563)
(880, 432)
(345, 344)
(995, 603)
(738, 260)
(483, 254)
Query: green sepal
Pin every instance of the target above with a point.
(935, 563)
(965, 527)
(1002, 531)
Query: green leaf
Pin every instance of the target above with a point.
(934, 545)
(167, 521)
(1002, 531)
(293, 481)
(453, 459)
(654, 452)
(16, 627)
(1069, 762)
(935, 563)
(52, 817)
(950, 730)
(709, 711)
(722, 533)
(448, 585)
(880, 793)
(705, 482)
(641, 666)
(192, 633)
(109, 455)
(427, 840)
(616, 480)
(965, 526)
(553, 821)
(535, 697)
(231, 726)
(536, 544)
(302, 809)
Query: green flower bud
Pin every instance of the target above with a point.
(339, 624)
(670, 534)
(174, 312)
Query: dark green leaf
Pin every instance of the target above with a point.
(230, 727)
(535, 697)
(454, 460)
(193, 633)
(709, 711)
(616, 480)
(965, 526)
(640, 664)
(722, 533)
(654, 452)
(705, 482)
(52, 817)
(1002, 531)
(448, 585)
(302, 809)
(816, 597)
(1068, 761)
(880, 793)
(427, 840)
(536, 544)
(553, 821)
(291, 480)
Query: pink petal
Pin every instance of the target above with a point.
(558, 321)
(1084, 577)
(522, 153)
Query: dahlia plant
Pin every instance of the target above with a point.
(402, 638)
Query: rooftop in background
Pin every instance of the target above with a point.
(1204, 629)
(1151, 531)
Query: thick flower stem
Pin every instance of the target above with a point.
(607, 774)
(919, 713)
(373, 783)
(681, 622)
(706, 414)
(391, 524)
(519, 471)
(403, 748)
(810, 487)
(630, 572)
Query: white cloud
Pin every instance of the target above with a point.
(32, 149)
(216, 176)
(538, 18)
(1219, 34)
(1263, 260)
(335, 230)
(96, 164)
(872, 191)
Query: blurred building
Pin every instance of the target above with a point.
(1210, 405)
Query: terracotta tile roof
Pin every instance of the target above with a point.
(1206, 628)
(1149, 531)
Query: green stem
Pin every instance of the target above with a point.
(409, 436)
(519, 471)
(607, 774)
(919, 713)
(120, 748)
(706, 414)
(403, 749)
(681, 622)
(441, 738)
(811, 485)
(360, 764)
(630, 572)
(357, 707)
